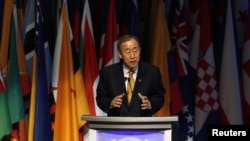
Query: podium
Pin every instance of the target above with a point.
(102, 128)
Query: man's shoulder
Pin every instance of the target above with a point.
(114, 66)
(148, 65)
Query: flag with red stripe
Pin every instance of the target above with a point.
(89, 58)
(108, 52)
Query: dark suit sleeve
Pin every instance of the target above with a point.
(102, 98)
(158, 92)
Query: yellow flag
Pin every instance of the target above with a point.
(71, 101)
(160, 46)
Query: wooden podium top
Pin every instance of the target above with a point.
(104, 122)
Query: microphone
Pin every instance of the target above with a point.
(128, 79)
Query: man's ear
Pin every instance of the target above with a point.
(119, 54)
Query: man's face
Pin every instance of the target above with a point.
(130, 53)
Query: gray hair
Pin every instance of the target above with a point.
(126, 38)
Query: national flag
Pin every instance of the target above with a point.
(218, 28)
(240, 8)
(229, 89)
(55, 63)
(108, 54)
(50, 11)
(5, 127)
(135, 19)
(176, 102)
(28, 34)
(177, 56)
(76, 23)
(90, 62)
(13, 86)
(194, 10)
(246, 71)
(99, 22)
(25, 55)
(71, 102)
(23, 67)
(18, 80)
(128, 20)
(39, 116)
(9, 61)
(182, 86)
(160, 46)
(206, 99)
(25, 81)
(23, 72)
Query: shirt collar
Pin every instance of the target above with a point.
(126, 69)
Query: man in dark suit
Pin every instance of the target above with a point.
(147, 92)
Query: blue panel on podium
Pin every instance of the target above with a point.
(124, 135)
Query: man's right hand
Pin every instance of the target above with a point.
(117, 101)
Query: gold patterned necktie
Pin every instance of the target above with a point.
(130, 85)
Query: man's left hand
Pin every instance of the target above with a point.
(146, 105)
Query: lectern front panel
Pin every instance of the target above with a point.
(130, 128)
(110, 135)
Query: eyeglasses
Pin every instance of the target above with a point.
(134, 51)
